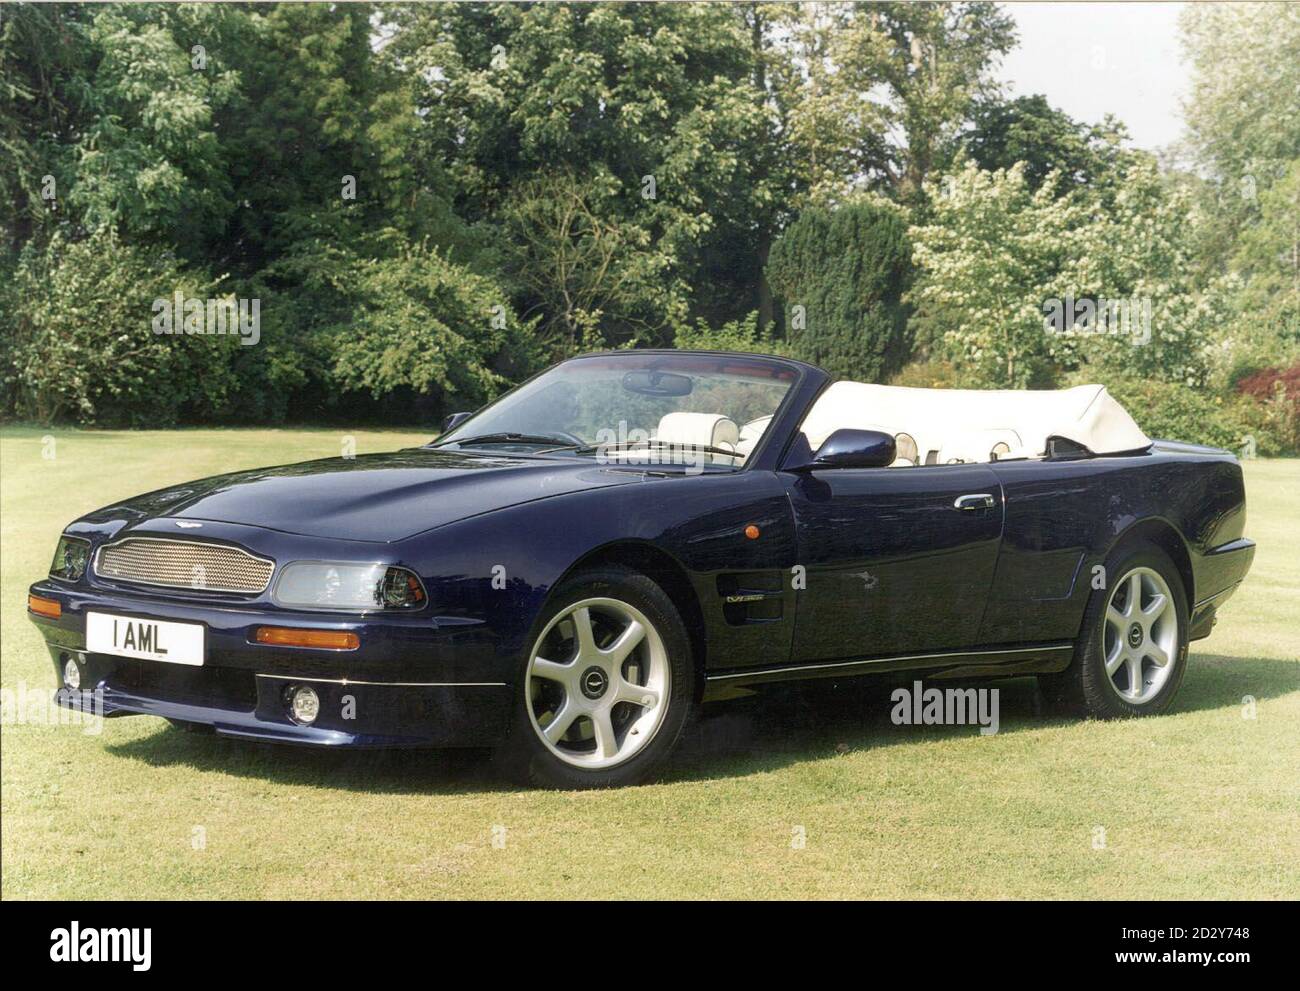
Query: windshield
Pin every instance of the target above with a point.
(650, 406)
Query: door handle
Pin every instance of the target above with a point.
(978, 500)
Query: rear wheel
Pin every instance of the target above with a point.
(606, 686)
(1132, 649)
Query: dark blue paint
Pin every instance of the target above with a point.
(890, 568)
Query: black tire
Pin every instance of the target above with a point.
(526, 759)
(1084, 687)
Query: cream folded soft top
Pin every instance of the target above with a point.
(969, 425)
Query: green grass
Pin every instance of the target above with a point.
(1200, 803)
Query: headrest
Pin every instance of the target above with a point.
(698, 430)
(905, 447)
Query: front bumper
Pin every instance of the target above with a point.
(413, 682)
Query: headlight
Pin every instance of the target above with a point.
(70, 558)
(348, 587)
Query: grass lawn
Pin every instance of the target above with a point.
(1200, 803)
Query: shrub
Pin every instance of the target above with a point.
(736, 335)
(1265, 384)
(423, 323)
(847, 269)
(78, 341)
(1171, 411)
(1272, 401)
(934, 374)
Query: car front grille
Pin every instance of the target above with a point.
(184, 564)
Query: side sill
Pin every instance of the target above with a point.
(998, 662)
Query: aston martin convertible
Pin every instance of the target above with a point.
(567, 575)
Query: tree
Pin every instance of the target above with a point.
(988, 258)
(147, 158)
(1028, 129)
(580, 264)
(886, 88)
(652, 106)
(1243, 128)
(423, 324)
(842, 274)
(1016, 285)
(1243, 136)
(1268, 261)
(44, 52)
(1143, 246)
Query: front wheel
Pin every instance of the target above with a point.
(1132, 649)
(606, 687)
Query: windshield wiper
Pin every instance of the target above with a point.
(632, 445)
(513, 438)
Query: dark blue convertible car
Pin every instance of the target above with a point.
(567, 574)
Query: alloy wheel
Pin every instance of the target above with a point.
(598, 683)
(1140, 638)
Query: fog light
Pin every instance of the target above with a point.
(304, 704)
(71, 675)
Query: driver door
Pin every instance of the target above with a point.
(897, 560)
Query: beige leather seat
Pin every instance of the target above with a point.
(750, 433)
(906, 451)
(698, 430)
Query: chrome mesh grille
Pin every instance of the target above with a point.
(184, 564)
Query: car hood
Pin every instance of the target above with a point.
(374, 497)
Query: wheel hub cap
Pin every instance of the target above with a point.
(594, 682)
(1135, 636)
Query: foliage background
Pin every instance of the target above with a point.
(432, 201)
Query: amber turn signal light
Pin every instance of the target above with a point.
(752, 532)
(44, 607)
(284, 636)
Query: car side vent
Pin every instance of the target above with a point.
(752, 596)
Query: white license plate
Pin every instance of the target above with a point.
(149, 639)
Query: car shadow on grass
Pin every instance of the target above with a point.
(822, 719)
(780, 725)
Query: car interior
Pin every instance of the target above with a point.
(936, 426)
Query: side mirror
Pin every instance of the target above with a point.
(454, 421)
(846, 448)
